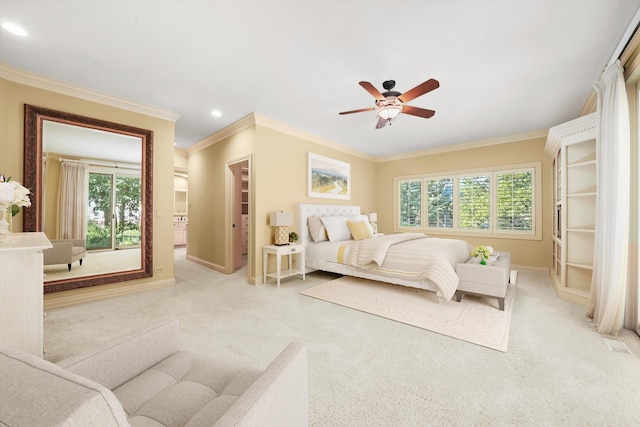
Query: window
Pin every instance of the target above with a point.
(514, 201)
(114, 209)
(497, 201)
(440, 202)
(474, 202)
(410, 203)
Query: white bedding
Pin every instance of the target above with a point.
(408, 259)
(334, 256)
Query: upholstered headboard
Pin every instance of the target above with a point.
(305, 210)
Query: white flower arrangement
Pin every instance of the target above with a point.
(13, 194)
(482, 252)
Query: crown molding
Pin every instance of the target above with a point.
(468, 145)
(557, 134)
(45, 83)
(234, 128)
(290, 130)
(255, 119)
(590, 104)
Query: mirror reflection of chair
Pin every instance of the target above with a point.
(65, 252)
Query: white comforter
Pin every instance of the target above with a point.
(412, 256)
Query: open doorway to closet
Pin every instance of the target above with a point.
(241, 198)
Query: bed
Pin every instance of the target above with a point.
(408, 259)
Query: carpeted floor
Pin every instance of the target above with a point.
(369, 371)
(474, 319)
(96, 262)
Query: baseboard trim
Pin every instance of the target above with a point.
(575, 296)
(529, 268)
(208, 264)
(83, 295)
(221, 269)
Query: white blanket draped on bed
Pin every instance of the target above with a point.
(412, 256)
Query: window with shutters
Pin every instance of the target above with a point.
(440, 202)
(514, 201)
(410, 203)
(498, 202)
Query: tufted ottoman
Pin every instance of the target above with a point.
(489, 280)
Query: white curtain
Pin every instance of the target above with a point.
(73, 196)
(609, 284)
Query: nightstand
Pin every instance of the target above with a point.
(279, 251)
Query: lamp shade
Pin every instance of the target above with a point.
(281, 219)
(373, 217)
(389, 112)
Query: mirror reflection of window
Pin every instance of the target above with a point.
(111, 205)
(114, 208)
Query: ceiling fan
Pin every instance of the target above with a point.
(391, 103)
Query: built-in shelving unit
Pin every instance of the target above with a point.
(573, 148)
(245, 211)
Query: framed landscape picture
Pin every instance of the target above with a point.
(329, 178)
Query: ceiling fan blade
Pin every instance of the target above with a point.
(358, 111)
(373, 91)
(381, 123)
(415, 111)
(421, 89)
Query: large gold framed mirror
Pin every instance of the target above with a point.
(116, 203)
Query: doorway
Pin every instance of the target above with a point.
(241, 207)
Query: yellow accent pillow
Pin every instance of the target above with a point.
(359, 230)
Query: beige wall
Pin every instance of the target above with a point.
(15, 96)
(531, 253)
(207, 194)
(278, 181)
(181, 159)
(280, 165)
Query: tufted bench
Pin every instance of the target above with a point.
(489, 280)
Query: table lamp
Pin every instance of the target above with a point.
(281, 221)
(373, 219)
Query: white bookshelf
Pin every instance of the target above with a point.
(573, 148)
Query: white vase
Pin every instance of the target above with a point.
(5, 223)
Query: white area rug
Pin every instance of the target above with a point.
(476, 320)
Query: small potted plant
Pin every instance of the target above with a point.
(482, 253)
(293, 237)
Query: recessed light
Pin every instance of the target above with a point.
(14, 28)
(216, 113)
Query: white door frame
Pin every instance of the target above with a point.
(230, 202)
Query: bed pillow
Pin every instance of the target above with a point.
(362, 218)
(359, 230)
(336, 227)
(316, 229)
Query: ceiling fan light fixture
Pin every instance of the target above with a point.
(389, 112)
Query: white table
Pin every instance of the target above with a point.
(21, 277)
(278, 251)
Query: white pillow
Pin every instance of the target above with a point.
(317, 232)
(337, 228)
(360, 218)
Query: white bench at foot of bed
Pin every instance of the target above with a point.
(489, 280)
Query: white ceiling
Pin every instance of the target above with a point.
(88, 144)
(505, 67)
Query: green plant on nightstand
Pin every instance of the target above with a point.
(293, 237)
